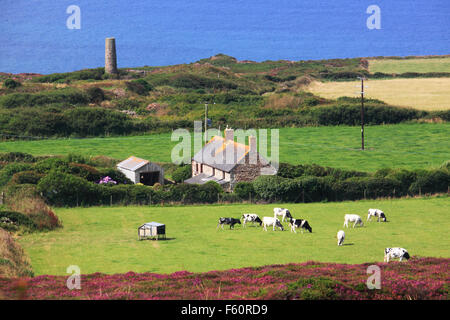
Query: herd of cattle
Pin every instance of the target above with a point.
(285, 214)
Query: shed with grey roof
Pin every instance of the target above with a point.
(142, 171)
(152, 230)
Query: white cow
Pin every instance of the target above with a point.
(251, 217)
(271, 221)
(376, 213)
(281, 212)
(352, 218)
(340, 237)
(391, 253)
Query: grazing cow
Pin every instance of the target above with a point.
(271, 221)
(299, 223)
(281, 212)
(376, 213)
(352, 218)
(230, 221)
(340, 237)
(251, 217)
(391, 253)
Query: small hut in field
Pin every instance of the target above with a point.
(152, 230)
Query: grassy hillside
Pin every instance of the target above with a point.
(154, 99)
(410, 146)
(425, 94)
(101, 239)
(435, 64)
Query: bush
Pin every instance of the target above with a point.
(64, 189)
(26, 177)
(11, 84)
(69, 96)
(182, 173)
(17, 157)
(9, 170)
(430, 182)
(139, 86)
(53, 163)
(244, 190)
(95, 95)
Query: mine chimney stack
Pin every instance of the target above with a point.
(110, 56)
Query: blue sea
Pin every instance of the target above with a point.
(34, 36)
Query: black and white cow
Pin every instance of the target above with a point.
(251, 217)
(281, 212)
(299, 223)
(230, 221)
(271, 221)
(391, 253)
(376, 213)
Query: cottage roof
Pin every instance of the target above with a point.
(222, 154)
(132, 163)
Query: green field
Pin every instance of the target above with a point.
(104, 239)
(410, 65)
(409, 146)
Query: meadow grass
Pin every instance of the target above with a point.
(409, 65)
(104, 239)
(424, 94)
(409, 146)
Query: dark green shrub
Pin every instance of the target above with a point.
(244, 190)
(17, 157)
(95, 95)
(9, 170)
(139, 86)
(431, 182)
(26, 177)
(182, 173)
(54, 163)
(11, 84)
(64, 189)
(85, 171)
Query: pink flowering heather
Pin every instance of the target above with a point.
(417, 279)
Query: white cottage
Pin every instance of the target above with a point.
(142, 171)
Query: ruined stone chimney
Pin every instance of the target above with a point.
(229, 134)
(110, 56)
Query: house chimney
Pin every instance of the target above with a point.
(229, 134)
(252, 149)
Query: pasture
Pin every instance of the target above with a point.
(410, 65)
(409, 146)
(104, 239)
(424, 94)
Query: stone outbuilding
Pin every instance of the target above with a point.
(228, 162)
(142, 171)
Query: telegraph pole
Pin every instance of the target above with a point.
(362, 112)
(206, 121)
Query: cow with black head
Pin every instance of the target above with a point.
(229, 221)
(299, 223)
